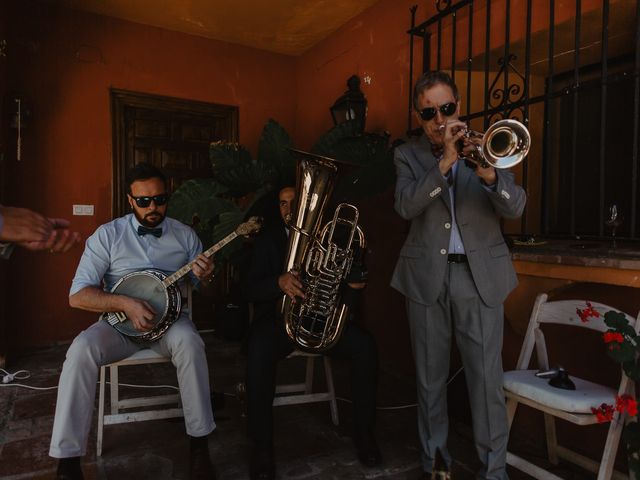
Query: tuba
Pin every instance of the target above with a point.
(504, 144)
(320, 256)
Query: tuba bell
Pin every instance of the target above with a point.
(319, 255)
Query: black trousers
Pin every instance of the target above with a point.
(268, 343)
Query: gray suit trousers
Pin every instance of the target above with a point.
(101, 344)
(478, 332)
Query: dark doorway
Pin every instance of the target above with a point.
(171, 133)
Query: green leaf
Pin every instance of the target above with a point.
(631, 438)
(631, 367)
(624, 353)
(618, 322)
(324, 145)
(232, 166)
(273, 149)
(198, 200)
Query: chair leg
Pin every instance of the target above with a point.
(552, 438)
(332, 392)
(512, 406)
(611, 447)
(308, 382)
(101, 411)
(113, 379)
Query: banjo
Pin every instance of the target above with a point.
(161, 291)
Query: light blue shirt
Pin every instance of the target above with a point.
(116, 249)
(455, 240)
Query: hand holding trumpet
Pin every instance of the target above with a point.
(458, 141)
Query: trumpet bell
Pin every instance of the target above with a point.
(506, 143)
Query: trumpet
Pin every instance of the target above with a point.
(505, 144)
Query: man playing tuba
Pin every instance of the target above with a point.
(267, 343)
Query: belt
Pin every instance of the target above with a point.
(456, 258)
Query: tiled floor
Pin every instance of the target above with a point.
(307, 445)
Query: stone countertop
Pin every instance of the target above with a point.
(588, 253)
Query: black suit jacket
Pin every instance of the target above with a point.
(267, 264)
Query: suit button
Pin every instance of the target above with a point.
(447, 225)
(443, 251)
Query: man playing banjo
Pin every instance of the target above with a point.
(142, 240)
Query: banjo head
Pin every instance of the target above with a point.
(147, 285)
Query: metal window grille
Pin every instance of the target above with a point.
(570, 71)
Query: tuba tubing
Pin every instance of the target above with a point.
(315, 323)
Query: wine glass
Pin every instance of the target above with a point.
(614, 221)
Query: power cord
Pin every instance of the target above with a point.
(7, 379)
(410, 405)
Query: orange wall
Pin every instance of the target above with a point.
(67, 156)
(374, 44)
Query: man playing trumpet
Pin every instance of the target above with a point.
(455, 271)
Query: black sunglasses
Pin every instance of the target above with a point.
(159, 200)
(447, 110)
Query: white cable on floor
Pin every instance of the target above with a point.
(400, 407)
(8, 378)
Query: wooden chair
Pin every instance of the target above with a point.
(522, 386)
(119, 407)
(299, 393)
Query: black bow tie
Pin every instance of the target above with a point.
(156, 232)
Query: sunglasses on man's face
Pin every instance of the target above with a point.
(144, 202)
(447, 110)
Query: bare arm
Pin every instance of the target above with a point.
(93, 299)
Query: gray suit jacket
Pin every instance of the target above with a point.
(422, 197)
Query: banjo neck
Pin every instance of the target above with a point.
(174, 277)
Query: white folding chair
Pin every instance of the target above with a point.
(522, 386)
(142, 357)
(298, 393)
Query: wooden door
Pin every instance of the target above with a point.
(172, 134)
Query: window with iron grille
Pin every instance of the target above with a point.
(569, 70)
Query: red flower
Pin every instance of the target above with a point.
(627, 403)
(587, 312)
(611, 337)
(604, 413)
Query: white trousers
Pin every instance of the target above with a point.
(101, 344)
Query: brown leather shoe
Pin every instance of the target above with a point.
(367, 449)
(69, 469)
(200, 466)
(262, 465)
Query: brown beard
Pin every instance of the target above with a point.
(149, 223)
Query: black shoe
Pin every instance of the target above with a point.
(367, 448)
(200, 466)
(262, 465)
(69, 469)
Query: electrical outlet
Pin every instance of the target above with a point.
(83, 209)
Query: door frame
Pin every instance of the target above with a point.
(121, 99)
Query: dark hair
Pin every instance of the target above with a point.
(144, 171)
(430, 79)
